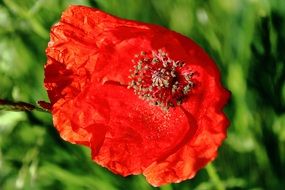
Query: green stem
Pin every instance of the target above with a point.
(7, 105)
(212, 172)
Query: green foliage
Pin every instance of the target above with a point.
(246, 39)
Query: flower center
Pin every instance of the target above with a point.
(160, 80)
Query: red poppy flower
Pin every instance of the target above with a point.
(144, 99)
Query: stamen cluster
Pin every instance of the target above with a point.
(160, 80)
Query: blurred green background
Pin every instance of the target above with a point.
(245, 37)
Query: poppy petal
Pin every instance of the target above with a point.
(136, 134)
